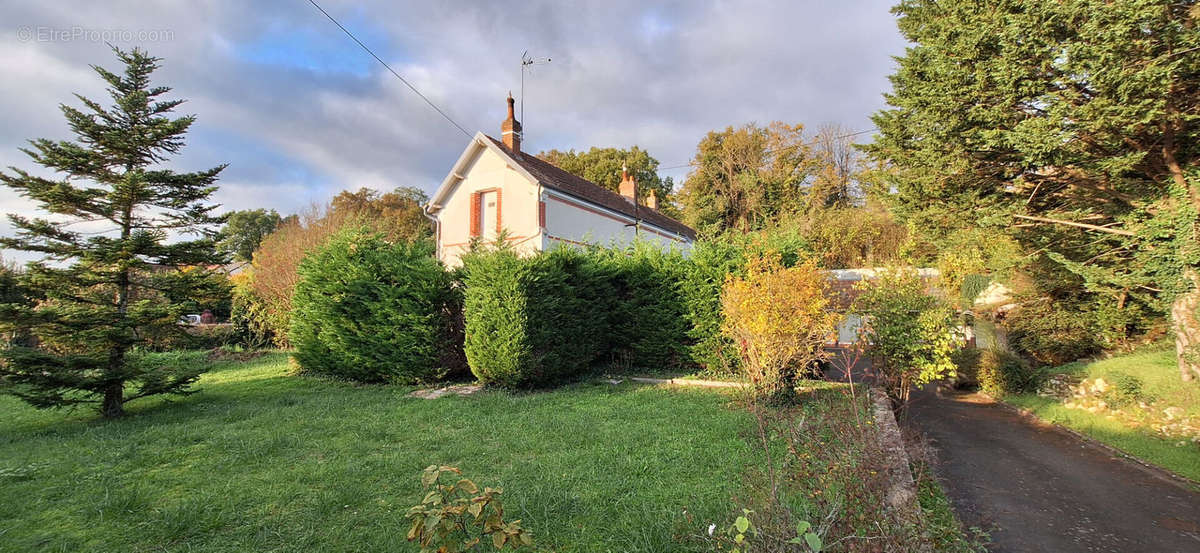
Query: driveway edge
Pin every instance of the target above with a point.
(902, 489)
(1152, 469)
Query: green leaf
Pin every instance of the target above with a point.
(814, 542)
(802, 527)
(742, 524)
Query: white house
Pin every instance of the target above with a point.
(494, 186)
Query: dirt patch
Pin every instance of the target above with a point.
(457, 390)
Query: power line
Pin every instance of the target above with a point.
(780, 149)
(389, 68)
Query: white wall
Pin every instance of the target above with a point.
(572, 221)
(518, 207)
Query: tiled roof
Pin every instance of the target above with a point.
(581, 188)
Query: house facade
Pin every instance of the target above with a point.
(495, 187)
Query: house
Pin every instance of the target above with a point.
(495, 186)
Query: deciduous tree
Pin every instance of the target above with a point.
(603, 166)
(744, 178)
(244, 231)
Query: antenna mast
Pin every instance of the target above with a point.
(527, 61)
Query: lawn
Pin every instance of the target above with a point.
(1155, 368)
(260, 460)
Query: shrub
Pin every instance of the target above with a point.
(911, 333)
(371, 310)
(1052, 334)
(458, 516)
(534, 321)
(777, 316)
(711, 262)
(1002, 373)
(1126, 389)
(646, 324)
(272, 280)
(966, 367)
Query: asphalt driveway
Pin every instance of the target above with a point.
(1037, 488)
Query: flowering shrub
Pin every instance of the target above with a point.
(778, 318)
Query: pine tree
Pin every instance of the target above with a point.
(119, 228)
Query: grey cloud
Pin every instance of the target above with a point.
(624, 72)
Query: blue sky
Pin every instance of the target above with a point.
(299, 112)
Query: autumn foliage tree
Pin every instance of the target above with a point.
(746, 177)
(263, 297)
(778, 318)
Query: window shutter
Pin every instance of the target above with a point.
(475, 214)
(542, 214)
(498, 211)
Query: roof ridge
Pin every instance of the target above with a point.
(585, 188)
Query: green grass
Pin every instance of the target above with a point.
(264, 461)
(1159, 374)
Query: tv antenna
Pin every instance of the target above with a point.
(527, 61)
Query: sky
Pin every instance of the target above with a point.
(300, 112)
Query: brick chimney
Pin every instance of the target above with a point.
(628, 187)
(651, 200)
(510, 130)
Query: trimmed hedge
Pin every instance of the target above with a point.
(647, 319)
(534, 321)
(369, 310)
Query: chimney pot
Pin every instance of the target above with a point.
(628, 186)
(651, 200)
(510, 130)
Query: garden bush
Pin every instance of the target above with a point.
(711, 262)
(1002, 373)
(911, 333)
(777, 317)
(647, 327)
(371, 310)
(534, 321)
(966, 367)
(1052, 334)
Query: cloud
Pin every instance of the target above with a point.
(300, 112)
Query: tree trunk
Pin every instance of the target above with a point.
(114, 400)
(1187, 329)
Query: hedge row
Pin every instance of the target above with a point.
(371, 310)
(536, 320)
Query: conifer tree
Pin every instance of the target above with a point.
(118, 229)
(1072, 127)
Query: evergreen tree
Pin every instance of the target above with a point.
(102, 292)
(1072, 127)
